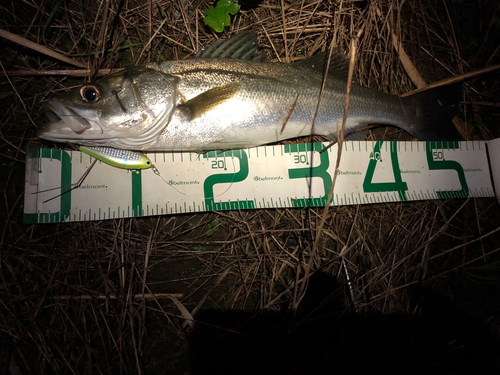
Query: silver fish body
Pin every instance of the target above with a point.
(219, 103)
(268, 97)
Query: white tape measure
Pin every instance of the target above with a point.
(297, 175)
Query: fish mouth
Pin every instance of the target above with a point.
(68, 123)
(87, 127)
(73, 118)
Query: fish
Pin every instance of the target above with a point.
(124, 159)
(229, 96)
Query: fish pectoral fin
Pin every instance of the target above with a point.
(209, 100)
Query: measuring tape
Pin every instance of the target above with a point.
(296, 175)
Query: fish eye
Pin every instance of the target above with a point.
(90, 93)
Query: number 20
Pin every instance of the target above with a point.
(218, 164)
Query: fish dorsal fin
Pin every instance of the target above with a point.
(242, 46)
(209, 100)
(339, 63)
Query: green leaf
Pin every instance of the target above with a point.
(218, 18)
(201, 247)
(212, 227)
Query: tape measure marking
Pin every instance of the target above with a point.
(295, 175)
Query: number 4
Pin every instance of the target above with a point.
(377, 187)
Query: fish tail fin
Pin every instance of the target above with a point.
(435, 110)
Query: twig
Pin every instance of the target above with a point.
(465, 244)
(74, 186)
(62, 72)
(140, 296)
(151, 39)
(287, 57)
(330, 193)
(37, 47)
(409, 67)
(101, 41)
(290, 110)
(456, 79)
(18, 96)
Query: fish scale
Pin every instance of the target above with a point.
(256, 114)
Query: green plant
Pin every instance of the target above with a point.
(201, 247)
(218, 18)
(212, 227)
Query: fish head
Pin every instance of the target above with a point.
(124, 110)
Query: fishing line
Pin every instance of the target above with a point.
(76, 184)
(156, 171)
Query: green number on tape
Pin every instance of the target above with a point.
(378, 187)
(224, 178)
(219, 164)
(436, 161)
(300, 159)
(318, 171)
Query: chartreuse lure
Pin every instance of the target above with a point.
(125, 159)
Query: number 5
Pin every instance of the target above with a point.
(445, 164)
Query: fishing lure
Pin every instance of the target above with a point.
(124, 159)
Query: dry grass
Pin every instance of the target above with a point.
(121, 295)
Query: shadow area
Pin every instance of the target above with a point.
(323, 337)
